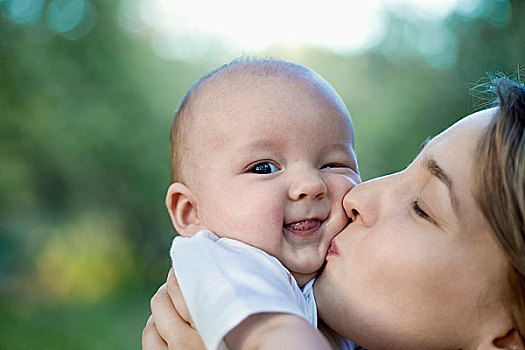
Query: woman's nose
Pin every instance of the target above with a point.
(309, 184)
(365, 201)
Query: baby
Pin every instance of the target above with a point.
(262, 155)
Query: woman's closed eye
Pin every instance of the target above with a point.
(420, 212)
(263, 168)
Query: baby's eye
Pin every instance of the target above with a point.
(264, 168)
(335, 165)
(342, 168)
(331, 165)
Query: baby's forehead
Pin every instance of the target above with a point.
(238, 87)
(233, 95)
(245, 78)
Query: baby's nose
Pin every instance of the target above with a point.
(308, 185)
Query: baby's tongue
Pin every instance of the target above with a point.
(302, 225)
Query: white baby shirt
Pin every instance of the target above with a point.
(223, 281)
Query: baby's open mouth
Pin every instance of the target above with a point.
(303, 226)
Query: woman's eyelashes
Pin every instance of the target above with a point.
(263, 168)
(417, 209)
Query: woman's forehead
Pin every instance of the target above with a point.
(452, 152)
(460, 139)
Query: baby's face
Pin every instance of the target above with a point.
(276, 160)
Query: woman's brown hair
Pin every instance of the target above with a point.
(501, 187)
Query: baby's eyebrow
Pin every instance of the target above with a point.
(261, 144)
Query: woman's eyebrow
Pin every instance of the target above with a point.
(430, 165)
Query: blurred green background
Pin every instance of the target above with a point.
(86, 101)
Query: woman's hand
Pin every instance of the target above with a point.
(170, 326)
(151, 339)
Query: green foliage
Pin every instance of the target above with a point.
(114, 323)
(85, 160)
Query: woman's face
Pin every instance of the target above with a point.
(418, 266)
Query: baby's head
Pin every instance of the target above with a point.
(262, 152)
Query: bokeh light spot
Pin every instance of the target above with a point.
(85, 260)
(498, 12)
(470, 8)
(85, 26)
(24, 11)
(64, 15)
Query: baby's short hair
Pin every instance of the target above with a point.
(186, 112)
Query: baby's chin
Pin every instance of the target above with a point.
(305, 267)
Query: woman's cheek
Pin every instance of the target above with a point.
(384, 260)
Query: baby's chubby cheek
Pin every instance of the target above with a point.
(257, 226)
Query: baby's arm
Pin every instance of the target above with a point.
(275, 331)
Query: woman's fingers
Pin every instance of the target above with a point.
(172, 328)
(151, 339)
(164, 313)
(176, 297)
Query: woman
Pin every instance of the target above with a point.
(434, 256)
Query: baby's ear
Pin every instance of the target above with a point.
(183, 209)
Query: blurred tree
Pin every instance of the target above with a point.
(396, 94)
(83, 128)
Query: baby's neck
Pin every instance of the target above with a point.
(302, 279)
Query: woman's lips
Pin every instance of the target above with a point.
(333, 249)
(303, 227)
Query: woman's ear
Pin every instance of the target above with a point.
(183, 209)
(511, 340)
